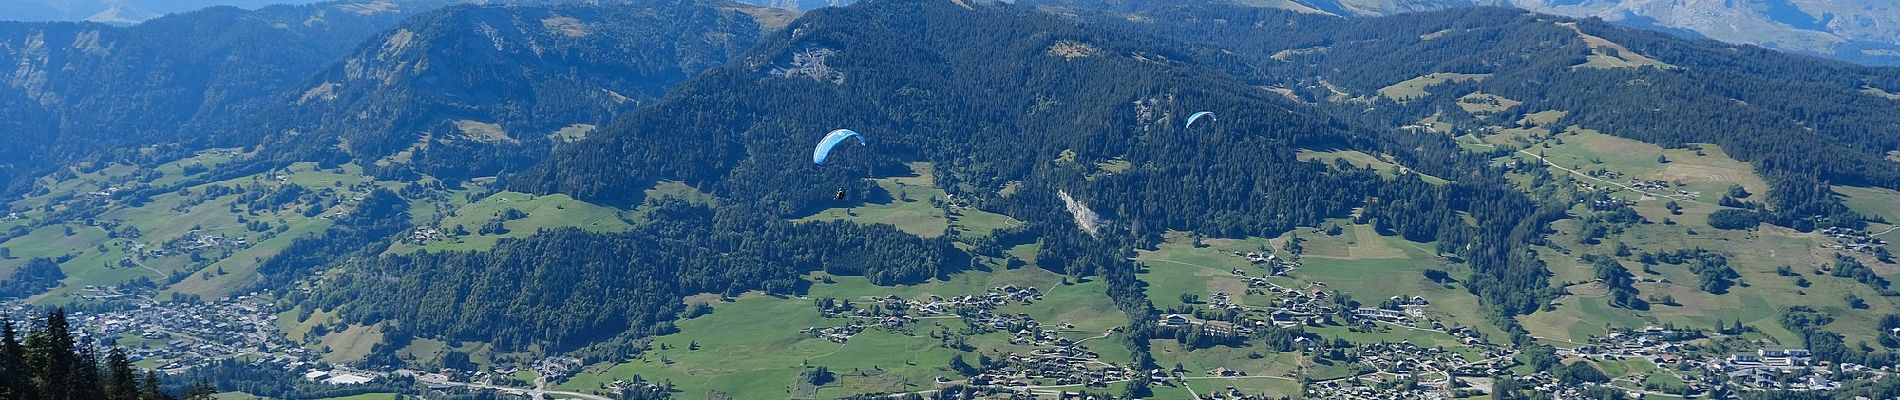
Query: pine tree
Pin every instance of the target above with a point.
(14, 383)
(87, 382)
(962, 367)
(1137, 388)
(49, 364)
(49, 351)
(122, 383)
(148, 389)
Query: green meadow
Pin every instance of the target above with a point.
(462, 226)
(910, 209)
(1416, 88)
(1755, 254)
(1360, 159)
(768, 330)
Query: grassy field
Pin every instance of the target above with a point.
(1884, 203)
(1110, 167)
(298, 330)
(1664, 381)
(1271, 372)
(1251, 385)
(1755, 300)
(1372, 267)
(1363, 160)
(96, 258)
(525, 375)
(1881, 93)
(49, 242)
(1759, 294)
(1626, 367)
(1709, 171)
(350, 344)
(768, 329)
(482, 131)
(240, 268)
(1177, 268)
(909, 209)
(366, 396)
(74, 183)
(542, 213)
(1543, 118)
(1416, 87)
(1436, 123)
(1607, 54)
(666, 190)
(429, 352)
(1486, 103)
(1358, 261)
(339, 345)
(572, 133)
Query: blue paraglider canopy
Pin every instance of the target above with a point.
(830, 141)
(1197, 117)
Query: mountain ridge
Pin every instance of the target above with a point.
(494, 84)
(1859, 31)
(92, 86)
(123, 12)
(1852, 30)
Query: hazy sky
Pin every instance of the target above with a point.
(127, 10)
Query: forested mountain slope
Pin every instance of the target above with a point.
(1802, 121)
(994, 97)
(422, 107)
(473, 90)
(483, 188)
(1635, 130)
(73, 90)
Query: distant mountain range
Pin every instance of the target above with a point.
(116, 11)
(1864, 31)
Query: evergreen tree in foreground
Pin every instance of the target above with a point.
(48, 363)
